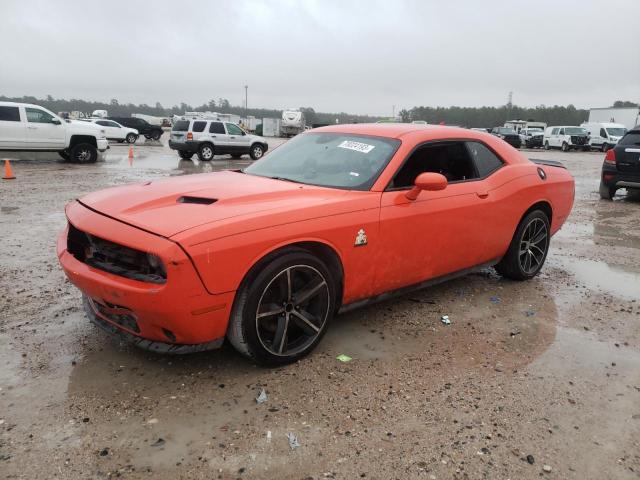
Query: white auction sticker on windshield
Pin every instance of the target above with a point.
(357, 146)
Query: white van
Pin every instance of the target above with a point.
(566, 137)
(604, 136)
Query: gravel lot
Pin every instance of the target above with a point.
(531, 379)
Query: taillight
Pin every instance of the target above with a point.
(610, 157)
(190, 137)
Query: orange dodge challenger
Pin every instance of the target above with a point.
(336, 218)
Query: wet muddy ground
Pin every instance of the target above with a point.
(531, 379)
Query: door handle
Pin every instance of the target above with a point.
(482, 193)
(32, 128)
(232, 137)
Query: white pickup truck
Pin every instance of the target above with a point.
(26, 127)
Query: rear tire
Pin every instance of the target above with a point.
(206, 152)
(528, 249)
(84, 153)
(565, 147)
(546, 145)
(268, 324)
(185, 154)
(605, 147)
(156, 135)
(606, 192)
(256, 152)
(131, 138)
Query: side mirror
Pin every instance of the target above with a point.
(55, 121)
(427, 181)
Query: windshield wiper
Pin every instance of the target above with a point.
(284, 179)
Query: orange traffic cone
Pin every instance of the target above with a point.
(8, 173)
(130, 151)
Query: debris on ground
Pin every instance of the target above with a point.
(344, 358)
(268, 435)
(546, 468)
(262, 397)
(104, 452)
(530, 459)
(158, 443)
(517, 332)
(495, 300)
(445, 319)
(293, 440)
(529, 313)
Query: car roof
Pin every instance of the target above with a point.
(19, 104)
(396, 130)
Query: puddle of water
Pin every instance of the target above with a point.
(601, 276)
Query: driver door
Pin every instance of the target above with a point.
(238, 140)
(441, 231)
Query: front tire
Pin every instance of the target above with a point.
(546, 145)
(283, 308)
(528, 249)
(206, 152)
(605, 147)
(84, 153)
(156, 135)
(565, 147)
(606, 192)
(131, 138)
(256, 152)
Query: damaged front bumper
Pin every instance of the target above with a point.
(177, 316)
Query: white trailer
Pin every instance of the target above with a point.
(270, 127)
(159, 121)
(518, 125)
(293, 123)
(629, 117)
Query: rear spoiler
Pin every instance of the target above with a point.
(549, 163)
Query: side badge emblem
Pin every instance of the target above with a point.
(361, 238)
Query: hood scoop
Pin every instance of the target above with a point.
(197, 200)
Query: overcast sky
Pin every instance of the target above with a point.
(359, 57)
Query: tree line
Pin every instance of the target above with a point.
(462, 116)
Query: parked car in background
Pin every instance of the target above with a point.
(153, 132)
(603, 136)
(621, 167)
(115, 131)
(27, 127)
(566, 138)
(266, 256)
(481, 129)
(213, 137)
(532, 137)
(509, 135)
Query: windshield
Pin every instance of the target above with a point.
(575, 131)
(329, 160)
(616, 132)
(506, 131)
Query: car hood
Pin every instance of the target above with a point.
(168, 207)
(85, 127)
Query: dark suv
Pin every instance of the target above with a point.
(153, 132)
(509, 135)
(621, 167)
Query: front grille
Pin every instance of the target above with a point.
(114, 258)
(578, 140)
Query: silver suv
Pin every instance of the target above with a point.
(214, 137)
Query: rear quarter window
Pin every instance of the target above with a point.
(9, 114)
(181, 126)
(217, 127)
(198, 126)
(485, 160)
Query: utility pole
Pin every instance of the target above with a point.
(393, 112)
(246, 104)
(509, 105)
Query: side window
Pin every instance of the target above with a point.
(233, 129)
(449, 159)
(603, 134)
(35, 115)
(561, 131)
(485, 160)
(554, 131)
(103, 123)
(9, 114)
(216, 127)
(198, 126)
(112, 124)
